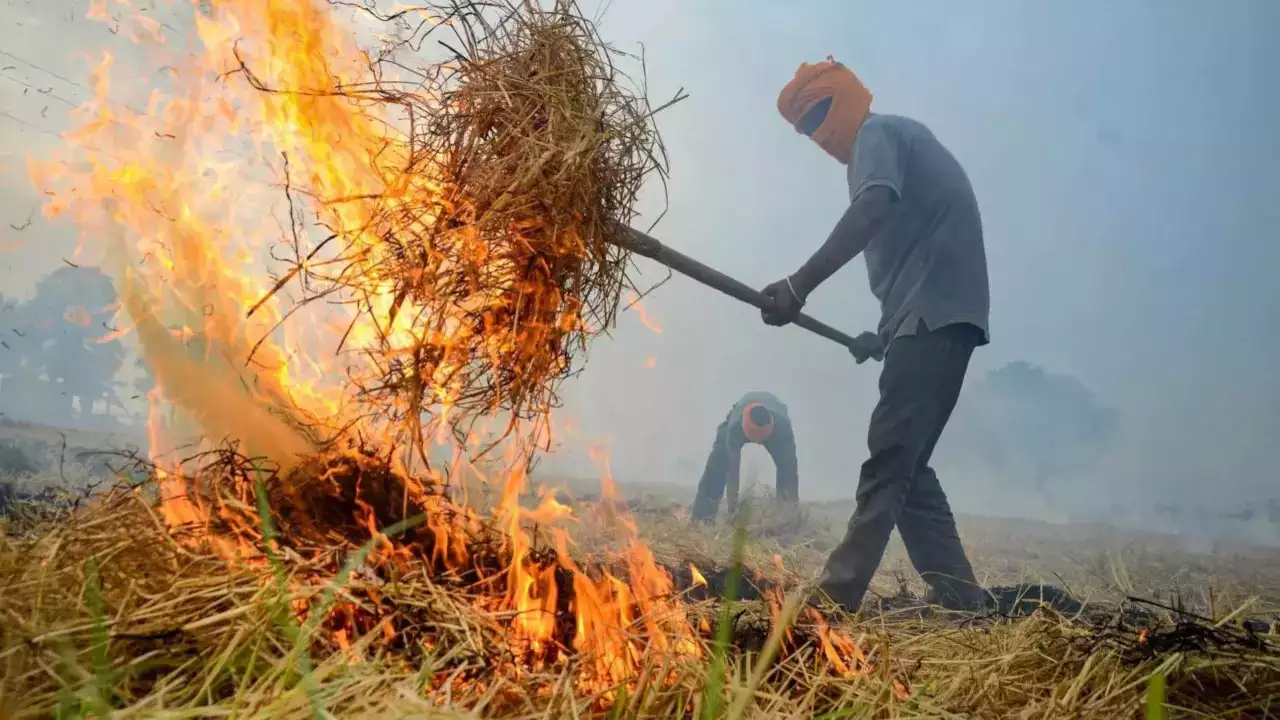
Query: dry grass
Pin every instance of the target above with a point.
(106, 612)
(1094, 561)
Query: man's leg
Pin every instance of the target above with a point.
(711, 487)
(782, 449)
(927, 526)
(731, 494)
(928, 530)
(913, 404)
(786, 488)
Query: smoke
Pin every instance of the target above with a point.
(1025, 441)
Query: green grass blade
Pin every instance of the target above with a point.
(279, 610)
(619, 704)
(724, 626)
(104, 675)
(1155, 706)
(300, 635)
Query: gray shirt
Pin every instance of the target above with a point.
(928, 263)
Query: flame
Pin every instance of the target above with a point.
(646, 319)
(184, 203)
(845, 655)
(698, 579)
(774, 601)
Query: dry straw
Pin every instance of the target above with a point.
(108, 612)
(524, 157)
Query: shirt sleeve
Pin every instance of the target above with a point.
(878, 159)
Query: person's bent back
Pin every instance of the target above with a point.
(759, 417)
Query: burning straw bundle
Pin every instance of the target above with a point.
(497, 238)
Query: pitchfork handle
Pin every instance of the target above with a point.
(646, 246)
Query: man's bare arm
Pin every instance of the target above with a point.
(855, 230)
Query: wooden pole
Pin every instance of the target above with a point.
(646, 246)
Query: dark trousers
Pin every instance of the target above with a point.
(713, 486)
(717, 480)
(919, 385)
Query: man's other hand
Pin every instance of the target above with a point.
(786, 304)
(866, 346)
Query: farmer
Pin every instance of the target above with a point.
(912, 214)
(759, 417)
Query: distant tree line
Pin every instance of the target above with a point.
(1048, 431)
(59, 350)
(1035, 427)
(1267, 512)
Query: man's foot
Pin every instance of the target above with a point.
(829, 600)
(969, 599)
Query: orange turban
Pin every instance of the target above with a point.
(754, 432)
(850, 104)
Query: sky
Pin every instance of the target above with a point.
(1124, 156)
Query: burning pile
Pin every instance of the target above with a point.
(337, 502)
(606, 610)
(536, 156)
(488, 254)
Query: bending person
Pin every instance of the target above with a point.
(759, 417)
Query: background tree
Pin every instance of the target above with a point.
(18, 372)
(1028, 424)
(10, 356)
(67, 320)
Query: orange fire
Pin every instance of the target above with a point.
(181, 200)
(698, 579)
(646, 319)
